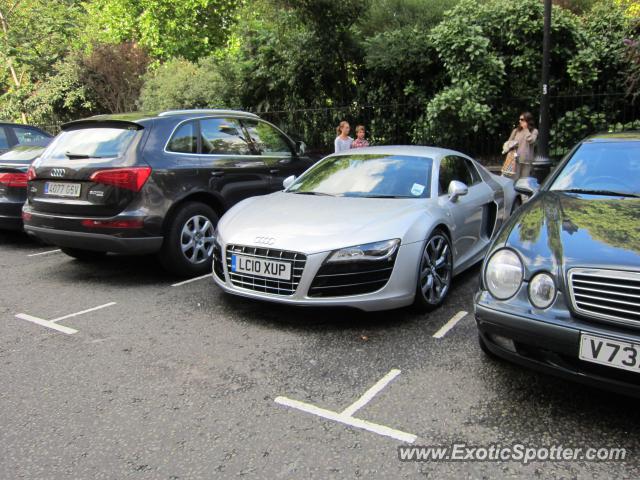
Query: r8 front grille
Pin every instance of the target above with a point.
(351, 278)
(262, 284)
(608, 295)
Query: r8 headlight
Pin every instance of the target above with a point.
(542, 290)
(503, 274)
(370, 251)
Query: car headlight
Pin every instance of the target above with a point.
(503, 274)
(371, 251)
(542, 290)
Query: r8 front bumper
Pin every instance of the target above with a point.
(549, 341)
(399, 290)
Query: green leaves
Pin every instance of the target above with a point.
(167, 28)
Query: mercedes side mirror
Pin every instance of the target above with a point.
(457, 189)
(301, 148)
(527, 186)
(287, 182)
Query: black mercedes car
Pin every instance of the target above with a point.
(560, 287)
(13, 182)
(154, 183)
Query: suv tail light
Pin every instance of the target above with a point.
(128, 178)
(135, 223)
(14, 179)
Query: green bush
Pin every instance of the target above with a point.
(180, 83)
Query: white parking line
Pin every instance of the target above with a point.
(84, 311)
(346, 416)
(44, 253)
(60, 328)
(372, 392)
(191, 280)
(47, 323)
(450, 324)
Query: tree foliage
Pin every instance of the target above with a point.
(166, 28)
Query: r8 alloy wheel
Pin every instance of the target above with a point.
(436, 272)
(187, 249)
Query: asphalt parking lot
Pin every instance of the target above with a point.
(108, 371)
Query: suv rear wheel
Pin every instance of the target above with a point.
(188, 244)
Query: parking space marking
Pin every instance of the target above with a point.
(53, 323)
(369, 394)
(346, 416)
(44, 253)
(450, 324)
(191, 280)
(47, 323)
(99, 307)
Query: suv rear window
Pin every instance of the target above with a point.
(92, 143)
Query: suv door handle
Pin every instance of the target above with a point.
(274, 171)
(217, 173)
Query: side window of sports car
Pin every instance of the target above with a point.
(453, 168)
(475, 176)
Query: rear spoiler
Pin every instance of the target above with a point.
(101, 122)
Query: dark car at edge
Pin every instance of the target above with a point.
(154, 183)
(560, 286)
(12, 134)
(14, 165)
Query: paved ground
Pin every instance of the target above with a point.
(180, 383)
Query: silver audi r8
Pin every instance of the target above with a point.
(375, 229)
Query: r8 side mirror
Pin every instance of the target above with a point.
(287, 182)
(457, 189)
(527, 186)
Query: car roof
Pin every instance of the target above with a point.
(629, 136)
(142, 118)
(410, 150)
(23, 125)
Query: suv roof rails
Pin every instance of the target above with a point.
(207, 110)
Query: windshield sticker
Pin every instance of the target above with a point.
(417, 189)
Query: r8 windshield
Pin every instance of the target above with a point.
(370, 176)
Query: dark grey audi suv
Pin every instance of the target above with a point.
(154, 183)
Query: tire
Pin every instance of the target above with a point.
(187, 249)
(83, 255)
(434, 281)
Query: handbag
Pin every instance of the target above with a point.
(509, 165)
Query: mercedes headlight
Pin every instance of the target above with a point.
(370, 251)
(542, 290)
(503, 274)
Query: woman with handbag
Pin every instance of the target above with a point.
(520, 148)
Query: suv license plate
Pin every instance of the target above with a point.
(610, 352)
(62, 189)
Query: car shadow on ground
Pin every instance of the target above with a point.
(114, 271)
(339, 318)
(555, 402)
(19, 241)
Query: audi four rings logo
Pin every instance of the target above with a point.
(57, 172)
(266, 240)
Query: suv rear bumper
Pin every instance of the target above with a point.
(96, 241)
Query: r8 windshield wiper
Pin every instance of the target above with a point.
(600, 192)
